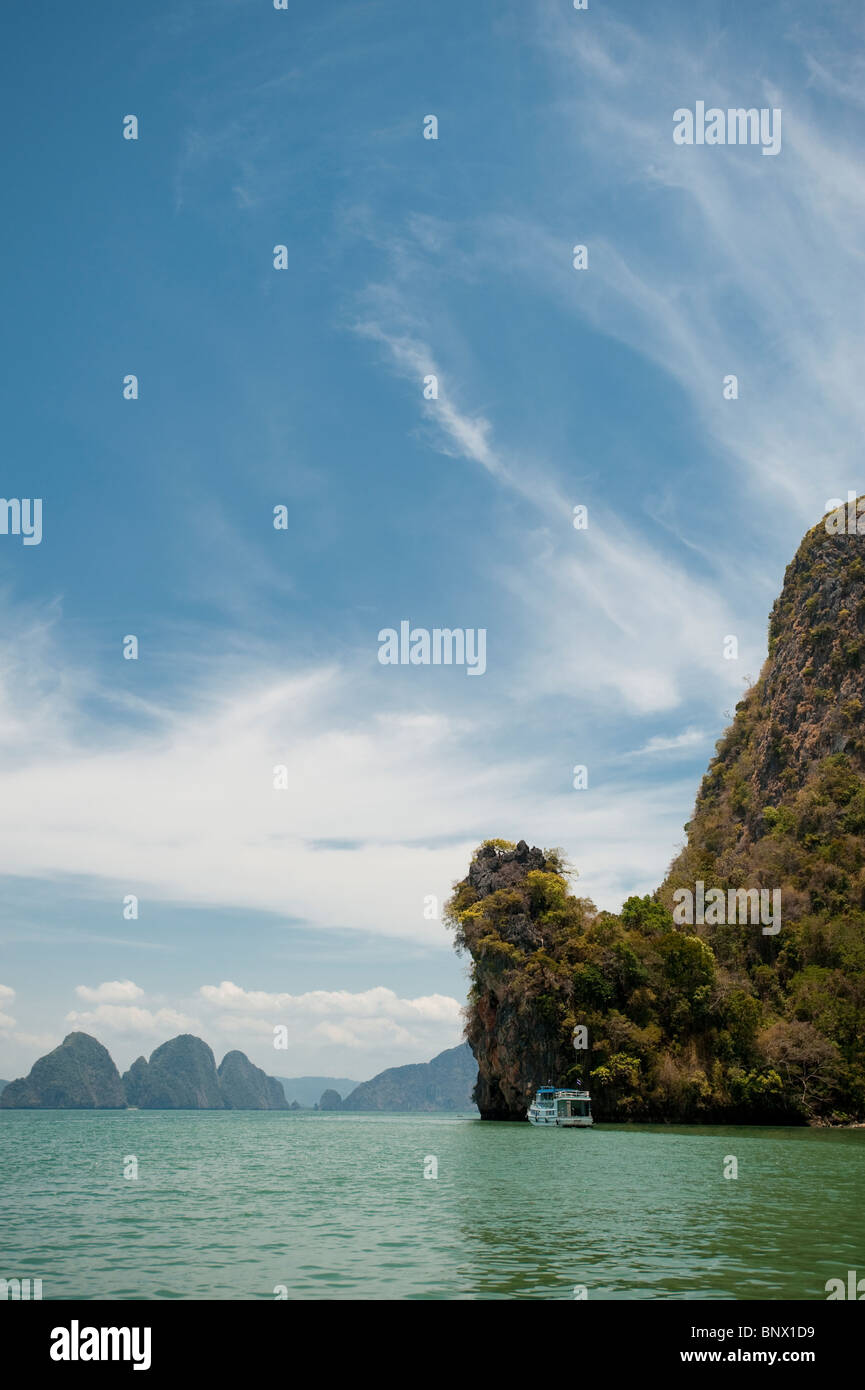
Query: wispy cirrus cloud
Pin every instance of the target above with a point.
(630, 595)
(764, 251)
(745, 270)
(677, 743)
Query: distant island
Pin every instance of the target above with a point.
(445, 1083)
(736, 992)
(182, 1074)
(307, 1091)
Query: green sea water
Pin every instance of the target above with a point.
(232, 1205)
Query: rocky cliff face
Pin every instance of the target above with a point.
(516, 1041)
(808, 703)
(706, 1019)
(77, 1075)
(783, 801)
(512, 1061)
(181, 1075)
(445, 1083)
(245, 1086)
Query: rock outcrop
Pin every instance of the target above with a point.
(244, 1086)
(445, 1083)
(517, 1044)
(77, 1075)
(181, 1075)
(783, 801)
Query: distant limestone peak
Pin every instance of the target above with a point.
(244, 1086)
(445, 1083)
(181, 1075)
(77, 1075)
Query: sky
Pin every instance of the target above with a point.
(317, 904)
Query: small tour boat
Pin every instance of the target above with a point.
(554, 1106)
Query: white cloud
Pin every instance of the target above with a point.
(372, 1020)
(110, 992)
(131, 1019)
(688, 739)
(468, 435)
(368, 1003)
(384, 807)
(7, 993)
(188, 812)
(38, 1042)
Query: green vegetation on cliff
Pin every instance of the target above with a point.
(675, 1030)
(77, 1075)
(706, 1022)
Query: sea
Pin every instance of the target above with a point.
(303, 1205)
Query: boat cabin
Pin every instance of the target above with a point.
(554, 1105)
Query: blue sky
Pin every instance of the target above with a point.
(304, 388)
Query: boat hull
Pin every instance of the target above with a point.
(578, 1123)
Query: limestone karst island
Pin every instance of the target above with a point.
(752, 1011)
